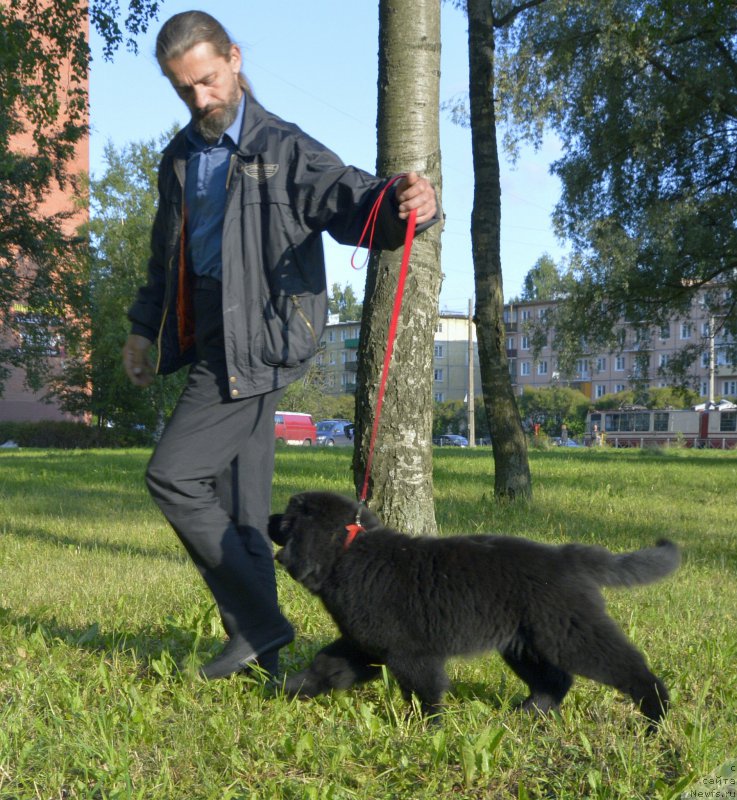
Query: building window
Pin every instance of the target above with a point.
(660, 421)
(619, 364)
(510, 343)
(686, 330)
(620, 387)
(526, 315)
(600, 364)
(663, 360)
(583, 366)
(343, 357)
(438, 351)
(600, 390)
(665, 332)
(542, 368)
(439, 329)
(727, 421)
(438, 376)
(525, 368)
(730, 388)
(439, 397)
(331, 336)
(525, 343)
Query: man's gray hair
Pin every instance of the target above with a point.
(182, 32)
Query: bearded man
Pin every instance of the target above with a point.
(237, 290)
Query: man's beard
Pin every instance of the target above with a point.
(212, 122)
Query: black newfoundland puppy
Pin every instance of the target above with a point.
(411, 603)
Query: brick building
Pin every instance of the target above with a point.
(17, 403)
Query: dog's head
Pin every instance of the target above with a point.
(312, 532)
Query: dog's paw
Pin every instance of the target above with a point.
(539, 704)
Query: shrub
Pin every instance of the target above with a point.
(70, 435)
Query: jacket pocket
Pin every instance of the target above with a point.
(293, 325)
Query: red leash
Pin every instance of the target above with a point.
(356, 528)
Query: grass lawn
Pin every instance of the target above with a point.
(99, 606)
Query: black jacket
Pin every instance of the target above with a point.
(284, 189)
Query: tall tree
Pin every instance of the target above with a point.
(543, 281)
(344, 303)
(401, 486)
(122, 204)
(644, 98)
(44, 59)
(512, 473)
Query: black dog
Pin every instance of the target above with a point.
(411, 603)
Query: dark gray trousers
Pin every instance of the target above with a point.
(211, 476)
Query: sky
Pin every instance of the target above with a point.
(315, 63)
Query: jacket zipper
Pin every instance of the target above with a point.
(301, 313)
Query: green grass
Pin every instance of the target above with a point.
(99, 605)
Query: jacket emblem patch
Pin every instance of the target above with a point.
(260, 172)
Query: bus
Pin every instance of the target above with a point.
(635, 426)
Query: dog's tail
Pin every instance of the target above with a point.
(628, 569)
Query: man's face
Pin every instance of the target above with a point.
(208, 84)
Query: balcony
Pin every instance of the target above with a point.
(351, 344)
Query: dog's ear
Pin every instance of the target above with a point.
(276, 534)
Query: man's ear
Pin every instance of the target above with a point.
(276, 534)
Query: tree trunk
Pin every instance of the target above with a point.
(401, 488)
(512, 472)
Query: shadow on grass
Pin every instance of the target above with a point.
(155, 650)
(175, 553)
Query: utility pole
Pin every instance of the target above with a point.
(471, 409)
(712, 362)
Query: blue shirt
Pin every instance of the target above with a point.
(205, 190)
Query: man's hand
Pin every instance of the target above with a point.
(412, 192)
(136, 361)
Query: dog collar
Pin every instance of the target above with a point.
(353, 530)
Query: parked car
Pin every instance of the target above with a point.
(335, 432)
(567, 443)
(292, 427)
(451, 440)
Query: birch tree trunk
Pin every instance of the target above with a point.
(511, 468)
(401, 487)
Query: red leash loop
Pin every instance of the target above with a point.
(371, 223)
(408, 238)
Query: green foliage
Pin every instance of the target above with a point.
(344, 303)
(122, 206)
(452, 417)
(551, 406)
(543, 281)
(309, 395)
(44, 60)
(643, 98)
(102, 615)
(70, 435)
(668, 397)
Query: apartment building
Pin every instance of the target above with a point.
(596, 374)
(599, 374)
(338, 357)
